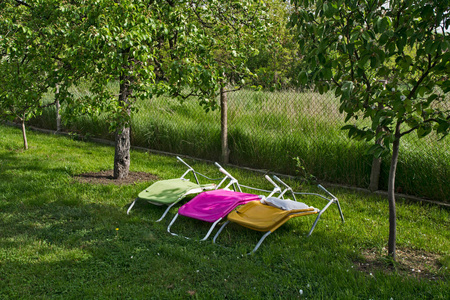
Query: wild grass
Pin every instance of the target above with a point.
(270, 130)
(60, 238)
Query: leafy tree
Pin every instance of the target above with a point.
(232, 33)
(154, 48)
(109, 41)
(28, 49)
(226, 34)
(278, 54)
(388, 62)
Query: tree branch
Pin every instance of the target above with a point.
(48, 104)
(417, 126)
(23, 3)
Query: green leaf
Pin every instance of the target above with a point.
(347, 127)
(366, 36)
(401, 42)
(303, 77)
(443, 126)
(347, 89)
(376, 150)
(383, 39)
(363, 61)
(328, 9)
(424, 130)
(374, 62)
(382, 24)
(327, 73)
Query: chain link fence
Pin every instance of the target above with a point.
(296, 132)
(291, 132)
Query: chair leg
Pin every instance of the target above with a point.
(166, 211)
(260, 242)
(220, 230)
(211, 229)
(131, 206)
(318, 217)
(314, 225)
(170, 225)
(206, 236)
(340, 211)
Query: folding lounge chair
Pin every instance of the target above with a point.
(170, 192)
(213, 206)
(269, 214)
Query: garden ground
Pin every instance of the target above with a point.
(62, 238)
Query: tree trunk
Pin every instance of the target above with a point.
(122, 153)
(24, 135)
(376, 168)
(391, 194)
(224, 126)
(375, 174)
(122, 138)
(376, 163)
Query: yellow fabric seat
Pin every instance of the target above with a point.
(261, 217)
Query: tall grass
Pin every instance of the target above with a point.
(273, 130)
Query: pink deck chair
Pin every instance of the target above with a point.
(213, 206)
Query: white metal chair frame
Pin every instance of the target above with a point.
(233, 182)
(287, 188)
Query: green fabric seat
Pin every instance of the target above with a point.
(166, 192)
(170, 192)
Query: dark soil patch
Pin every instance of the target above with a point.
(106, 177)
(411, 263)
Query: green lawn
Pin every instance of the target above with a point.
(60, 238)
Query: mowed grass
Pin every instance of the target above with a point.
(60, 238)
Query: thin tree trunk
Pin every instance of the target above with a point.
(122, 138)
(391, 194)
(224, 125)
(375, 174)
(24, 135)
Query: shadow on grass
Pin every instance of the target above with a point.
(96, 250)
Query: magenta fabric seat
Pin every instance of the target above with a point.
(210, 206)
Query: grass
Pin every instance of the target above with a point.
(270, 130)
(60, 238)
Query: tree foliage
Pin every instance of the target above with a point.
(179, 48)
(230, 34)
(278, 55)
(29, 49)
(387, 61)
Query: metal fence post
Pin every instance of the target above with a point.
(224, 125)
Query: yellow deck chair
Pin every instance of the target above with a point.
(269, 214)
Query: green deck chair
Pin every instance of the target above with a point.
(170, 192)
